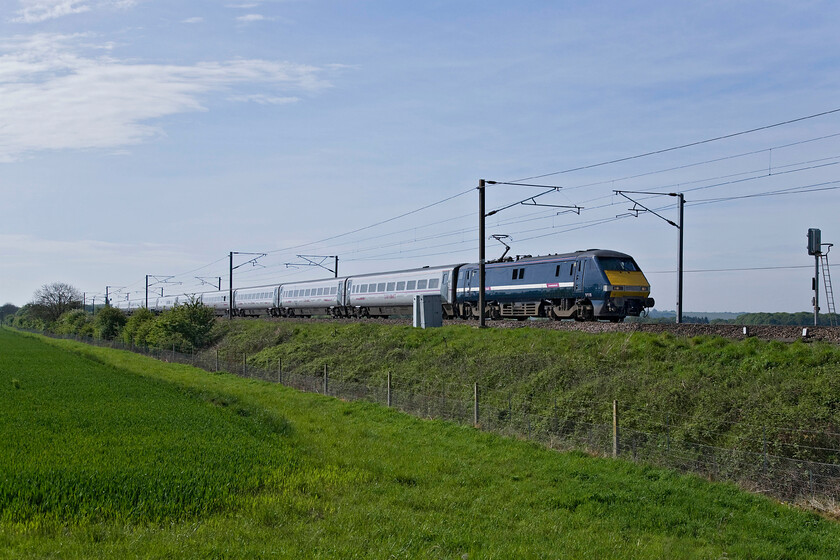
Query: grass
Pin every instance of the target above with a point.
(314, 477)
(713, 391)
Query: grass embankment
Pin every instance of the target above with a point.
(294, 475)
(712, 390)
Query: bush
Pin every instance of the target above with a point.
(137, 328)
(76, 321)
(26, 318)
(108, 322)
(186, 326)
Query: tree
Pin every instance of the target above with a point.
(7, 311)
(52, 300)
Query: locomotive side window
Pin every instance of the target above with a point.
(421, 284)
(400, 286)
(515, 272)
(521, 273)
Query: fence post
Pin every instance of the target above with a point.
(173, 351)
(326, 380)
(217, 360)
(389, 390)
(280, 370)
(615, 429)
(244, 364)
(475, 404)
(764, 448)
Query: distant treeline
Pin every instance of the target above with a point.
(801, 319)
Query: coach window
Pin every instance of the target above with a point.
(319, 292)
(390, 286)
(411, 285)
(381, 287)
(433, 283)
(333, 291)
(400, 286)
(363, 289)
(421, 284)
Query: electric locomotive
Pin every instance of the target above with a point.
(586, 285)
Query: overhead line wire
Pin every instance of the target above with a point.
(680, 147)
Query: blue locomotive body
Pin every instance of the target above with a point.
(586, 285)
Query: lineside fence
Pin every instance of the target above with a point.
(782, 467)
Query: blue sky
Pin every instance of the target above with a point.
(148, 137)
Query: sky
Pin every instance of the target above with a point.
(151, 137)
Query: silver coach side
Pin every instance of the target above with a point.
(392, 293)
(315, 297)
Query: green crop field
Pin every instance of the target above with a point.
(104, 454)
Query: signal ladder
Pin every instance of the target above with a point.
(829, 293)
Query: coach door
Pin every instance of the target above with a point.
(444, 288)
(579, 269)
(471, 282)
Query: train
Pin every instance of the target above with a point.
(590, 285)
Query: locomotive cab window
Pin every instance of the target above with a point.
(618, 264)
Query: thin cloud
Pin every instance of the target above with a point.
(193, 20)
(53, 98)
(251, 18)
(263, 99)
(36, 11)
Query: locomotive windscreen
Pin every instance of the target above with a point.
(617, 263)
